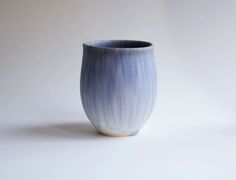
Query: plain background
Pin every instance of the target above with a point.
(44, 133)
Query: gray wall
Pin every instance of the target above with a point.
(40, 56)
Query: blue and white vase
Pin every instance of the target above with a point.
(118, 85)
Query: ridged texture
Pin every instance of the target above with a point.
(118, 88)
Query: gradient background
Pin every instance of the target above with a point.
(44, 133)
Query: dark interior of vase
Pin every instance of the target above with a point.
(120, 44)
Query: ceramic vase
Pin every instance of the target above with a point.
(118, 85)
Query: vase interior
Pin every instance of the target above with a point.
(119, 44)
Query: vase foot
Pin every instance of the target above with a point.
(117, 135)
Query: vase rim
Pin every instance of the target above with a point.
(119, 44)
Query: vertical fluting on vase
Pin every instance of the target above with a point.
(118, 85)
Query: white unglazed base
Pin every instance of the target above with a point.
(117, 134)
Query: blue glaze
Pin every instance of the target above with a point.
(118, 85)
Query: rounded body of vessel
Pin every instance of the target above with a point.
(118, 85)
